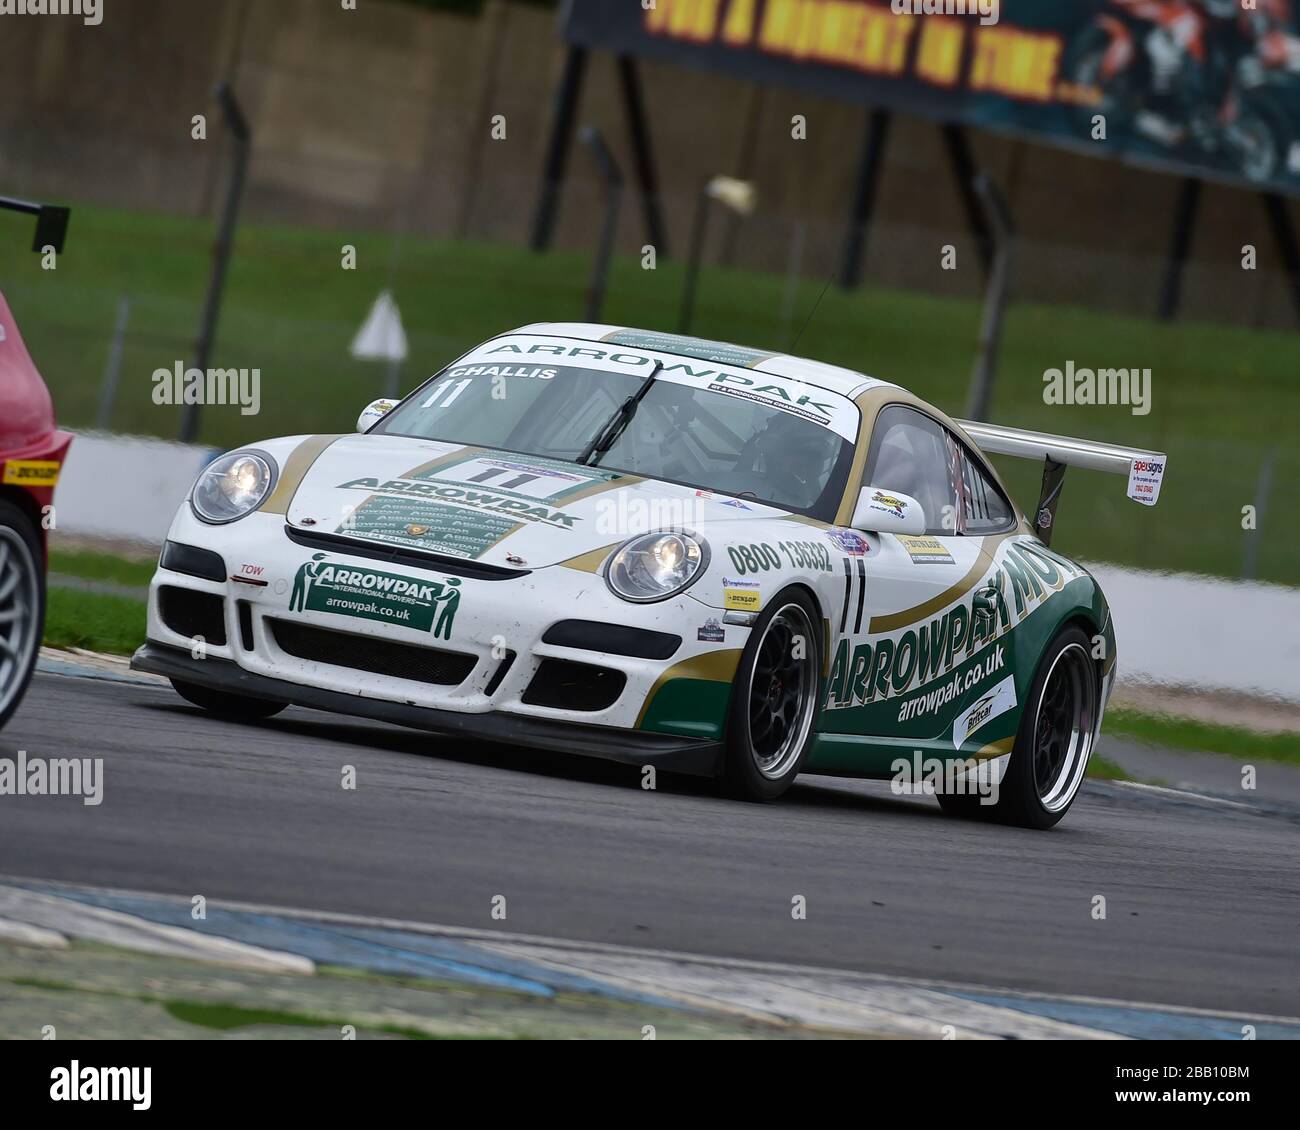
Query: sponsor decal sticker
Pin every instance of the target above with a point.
(952, 688)
(925, 551)
(376, 412)
(741, 596)
(821, 406)
(850, 542)
(1144, 479)
(31, 473)
(449, 530)
(536, 480)
(889, 503)
(954, 652)
(761, 557)
(991, 704)
(711, 631)
(409, 602)
(493, 502)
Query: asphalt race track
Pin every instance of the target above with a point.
(1201, 895)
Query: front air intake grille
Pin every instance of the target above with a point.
(562, 685)
(245, 624)
(616, 639)
(192, 560)
(499, 676)
(193, 614)
(376, 656)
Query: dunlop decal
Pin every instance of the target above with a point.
(31, 473)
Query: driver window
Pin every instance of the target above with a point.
(912, 454)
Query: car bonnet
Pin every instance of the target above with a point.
(500, 508)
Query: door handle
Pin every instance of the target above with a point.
(985, 603)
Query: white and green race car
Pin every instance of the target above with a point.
(679, 554)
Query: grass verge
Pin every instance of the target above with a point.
(1169, 732)
(94, 621)
(1103, 769)
(101, 567)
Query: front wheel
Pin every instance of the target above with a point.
(1054, 742)
(236, 707)
(774, 700)
(22, 605)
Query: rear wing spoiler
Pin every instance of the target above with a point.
(1145, 469)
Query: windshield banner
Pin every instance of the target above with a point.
(540, 358)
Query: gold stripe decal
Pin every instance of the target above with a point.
(996, 749)
(908, 616)
(294, 470)
(591, 561)
(711, 666)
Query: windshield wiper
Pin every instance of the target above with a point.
(617, 424)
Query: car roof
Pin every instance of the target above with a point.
(846, 382)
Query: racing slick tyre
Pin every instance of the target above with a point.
(1052, 747)
(236, 707)
(774, 700)
(22, 605)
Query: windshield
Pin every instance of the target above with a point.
(756, 443)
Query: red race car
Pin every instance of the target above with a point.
(32, 450)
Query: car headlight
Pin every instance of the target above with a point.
(656, 566)
(232, 486)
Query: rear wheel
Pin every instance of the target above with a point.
(1053, 745)
(236, 707)
(774, 700)
(22, 605)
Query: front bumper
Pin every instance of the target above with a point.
(631, 747)
(670, 711)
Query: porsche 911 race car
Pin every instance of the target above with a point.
(670, 552)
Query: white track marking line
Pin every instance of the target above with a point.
(552, 945)
(112, 927)
(1184, 794)
(24, 934)
(830, 1000)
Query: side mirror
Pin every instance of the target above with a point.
(888, 512)
(375, 411)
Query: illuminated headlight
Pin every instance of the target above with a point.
(655, 566)
(232, 486)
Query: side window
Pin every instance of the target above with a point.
(987, 510)
(914, 455)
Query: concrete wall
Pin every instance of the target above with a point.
(380, 117)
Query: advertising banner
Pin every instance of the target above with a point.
(1206, 87)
